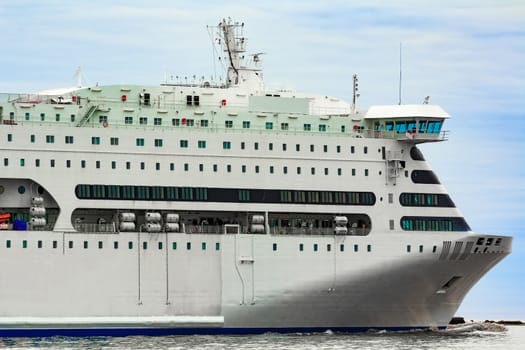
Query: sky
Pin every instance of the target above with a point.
(468, 56)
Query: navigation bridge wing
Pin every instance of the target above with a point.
(413, 123)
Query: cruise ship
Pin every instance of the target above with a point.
(206, 208)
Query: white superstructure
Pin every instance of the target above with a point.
(204, 208)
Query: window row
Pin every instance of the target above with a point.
(430, 223)
(315, 247)
(116, 244)
(425, 200)
(222, 195)
(201, 168)
(140, 141)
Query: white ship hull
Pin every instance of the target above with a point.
(244, 287)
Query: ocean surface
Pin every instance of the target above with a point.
(512, 338)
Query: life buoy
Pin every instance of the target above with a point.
(105, 123)
(223, 102)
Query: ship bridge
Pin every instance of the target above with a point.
(410, 123)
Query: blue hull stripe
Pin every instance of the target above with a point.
(121, 332)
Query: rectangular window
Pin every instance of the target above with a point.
(203, 245)
(269, 125)
(284, 146)
(69, 139)
(68, 163)
(338, 148)
(284, 126)
(37, 162)
(188, 245)
(24, 243)
(143, 120)
(159, 245)
(82, 163)
(70, 244)
(158, 142)
(115, 244)
(339, 171)
(217, 246)
(226, 145)
(301, 247)
(100, 244)
(157, 166)
(52, 163)
(356, 248)
(139, 142)
(353, 171)
(130, 245)
(142, 165)
(256, 169)
(57, 117)
(157, 121)
(215, 167)
(6, 161)
(175, 121)
(102, 118)
(95, 140)
(186, 167)
(366, 172)
(352, 149)
(204, 123)
(285, 170)
(243, 168)
(325, 148)
(322, 127)
(298, 147)
(312, 171)
(228, 124)
(72, 118)
(341, 247)
(307, 127)
(32, 138)
(128, 120)
(274, 247)
(271, 169)
(242, 145)
(201, 167)
(201, 144)
(316, 247)
(114, 141)
(270, 146)
(144, 245)
(365, 150)
(22, 162)
(256, 146)
(55, 244)
(174, 245)
(50, 139)
(27, 116)
(298, 170)
(9, 137)
(328, 247)
(8, 243)
(245, 124)
(42, 117)
(97, 164)
(85, 244)
(229, 168)
(312, 147)
(128, 165)
(326, 171)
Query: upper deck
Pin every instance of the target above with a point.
(213, 108)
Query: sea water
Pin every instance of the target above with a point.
(512, 338)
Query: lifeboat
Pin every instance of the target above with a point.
(4, 217)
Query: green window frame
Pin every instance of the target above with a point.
(139, 141)
(158, 143)
(268, 125)
(226, 145)
(95, 140)
(201, 144)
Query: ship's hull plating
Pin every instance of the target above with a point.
(210, 284)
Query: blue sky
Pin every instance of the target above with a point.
(468, 56)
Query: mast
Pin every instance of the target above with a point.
(355, 95)
(230, 35)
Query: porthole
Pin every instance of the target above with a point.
(21, 189)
